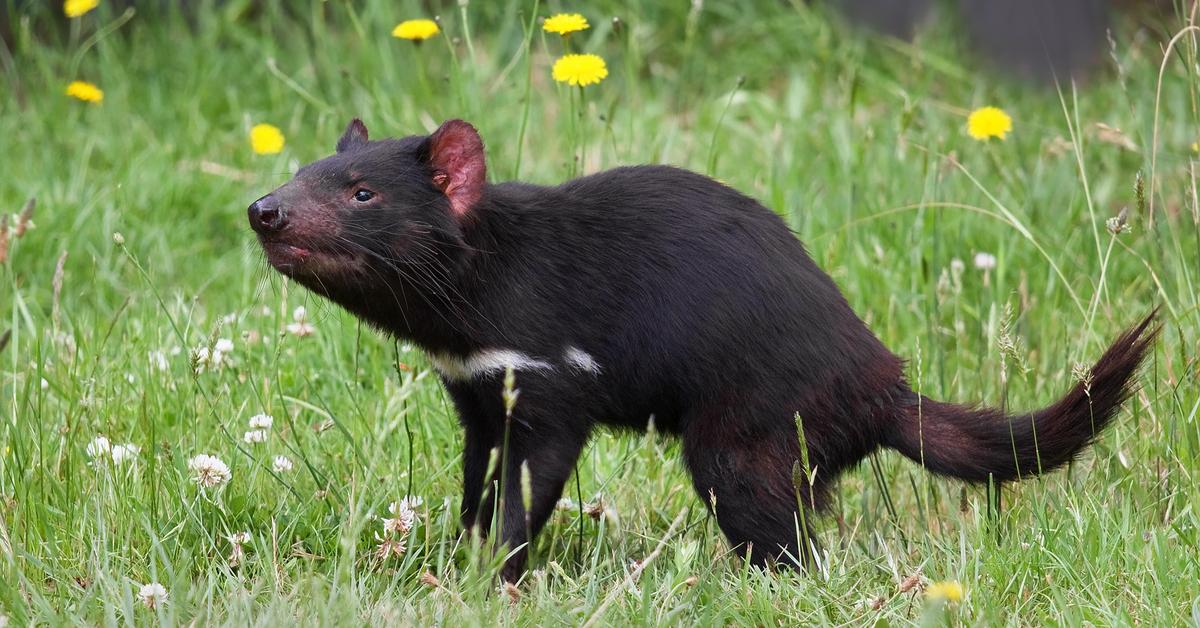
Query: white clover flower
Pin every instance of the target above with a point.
(394, 526)
(403, 517)
(957, 266)
(262, 421)
(566, 503)
(153, 595)
(254, 437)
(221, 351)
(44, 384)
(599, 508)
(158, 360)
(389, 547)
(282, 464)
(301, 329)
(300, 325)
(125, 453)
(985, 261)
(237, 554)
(99, 447)
(210, 470)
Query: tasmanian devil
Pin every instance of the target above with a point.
(637, 294)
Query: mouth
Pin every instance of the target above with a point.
(293, 260)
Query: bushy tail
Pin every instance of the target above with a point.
(977, 443)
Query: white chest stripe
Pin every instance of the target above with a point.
(491, 361)
(581, 360)
(484, 362)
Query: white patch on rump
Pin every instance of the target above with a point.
(582, 360)
(458, 368)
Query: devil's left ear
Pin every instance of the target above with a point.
(457, 164)
(354, 136)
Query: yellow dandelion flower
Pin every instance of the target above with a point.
(266, 139)
(946, 591)
(565, 23)
(76, 8)
(988, 122)
(416, 30)
(85, 91)
(581, 70)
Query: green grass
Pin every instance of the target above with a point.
(859, 145)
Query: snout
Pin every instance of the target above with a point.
(266, 215)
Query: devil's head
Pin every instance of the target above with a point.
(376, 213)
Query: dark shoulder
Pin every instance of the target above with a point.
(648, 178)
(652, 198)
(623, 181)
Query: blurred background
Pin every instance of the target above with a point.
(1031, 39)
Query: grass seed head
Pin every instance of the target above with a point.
(24, 219)
(3, 238)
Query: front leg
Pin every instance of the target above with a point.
(481, 434)
(549, 450)
(546, 432)
(478, 442)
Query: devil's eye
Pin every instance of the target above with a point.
(363, 196)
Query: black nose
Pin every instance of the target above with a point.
(266, 216)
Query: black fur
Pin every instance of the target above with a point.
(700, 307)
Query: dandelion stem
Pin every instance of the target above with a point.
(527, 105)
(1073, 128)
(1162, 69)
(712, 142)
(291, 83)
(466, 26)
(100, 34)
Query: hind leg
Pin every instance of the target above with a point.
(746, 479)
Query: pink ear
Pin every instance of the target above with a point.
(456, 156)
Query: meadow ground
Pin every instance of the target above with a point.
(989, 264)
